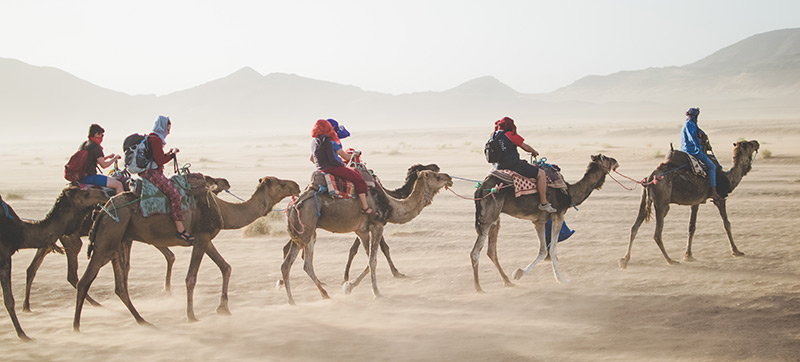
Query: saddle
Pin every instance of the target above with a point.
(526, 186)
(676, 159)
(338, 187)
(153, 201)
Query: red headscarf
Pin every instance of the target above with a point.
(323, 127)
(506, 124)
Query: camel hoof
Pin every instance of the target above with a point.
(94, 304)
(279, 284)
(509, 284)
(347, 288)
(688, 258)
(26, 309)
(167, 292)
(223, 310)
(517, 275)
(399, 275)
(192, 319)
(623, 263)
(737, 253)
(673, 262)
(24, 337)
(145, 323)
(377, 295)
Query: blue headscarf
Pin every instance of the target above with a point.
(341, 132)
(160, 128)
(692, 114)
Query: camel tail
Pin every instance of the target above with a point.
(646, 205)
(96, 216)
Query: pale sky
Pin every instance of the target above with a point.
(158, 47)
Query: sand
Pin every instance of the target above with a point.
(715, 308)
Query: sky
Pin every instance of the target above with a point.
(534, 46)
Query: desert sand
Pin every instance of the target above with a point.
(716, 308)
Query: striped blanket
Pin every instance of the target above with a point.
(527, 186)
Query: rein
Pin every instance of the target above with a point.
(293, 203)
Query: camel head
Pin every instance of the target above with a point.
(418, 167)
(217, 185)
(434, 180)
(743, 151)
(607, 164)
(277, 189)
(83, 198)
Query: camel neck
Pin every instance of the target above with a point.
(43, 233)
(405, 210)
(593, 179)
(239, 215)
(741, 166)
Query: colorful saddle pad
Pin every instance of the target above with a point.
(153, 201)
(339, 187)
(676, 158)
(527, 186)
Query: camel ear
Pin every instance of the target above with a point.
(595, 157)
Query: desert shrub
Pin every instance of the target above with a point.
(766, 154)
(14, 196)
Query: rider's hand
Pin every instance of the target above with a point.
(534, 153)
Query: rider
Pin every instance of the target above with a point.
(692, 143)
(157, 139)
(326, 158)
(509, 141)
(341, 133)
(96, 158)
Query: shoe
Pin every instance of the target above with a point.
(369, 211)
(183, 235)
(547, 207)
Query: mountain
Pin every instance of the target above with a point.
(761, 66)
(758, 77)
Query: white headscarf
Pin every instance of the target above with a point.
(160, 128)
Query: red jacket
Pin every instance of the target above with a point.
(157, 148)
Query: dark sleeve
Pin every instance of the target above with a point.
(322, 149)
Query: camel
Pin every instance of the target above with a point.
(682, 187)
(111, 241)
(63, 218)
(344, 215)
(72, 246)
(401, 192)
(489, 207)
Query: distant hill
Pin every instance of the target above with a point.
(758, 77)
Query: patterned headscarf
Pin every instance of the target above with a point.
(506, 124)
(323, 127)
(160, 128)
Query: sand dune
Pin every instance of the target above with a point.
(715, 308)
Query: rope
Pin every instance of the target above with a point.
(5, 209)
(464, 179)
(492, 191)
(644, 181)
(115, 217)
(286, 211)
(231, 193)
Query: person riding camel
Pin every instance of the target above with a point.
(96, 158)
(693, 140)
(509, 141)
(157, 139)
(328, 157)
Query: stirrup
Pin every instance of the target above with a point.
(369, 211)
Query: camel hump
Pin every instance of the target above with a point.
(676, 158)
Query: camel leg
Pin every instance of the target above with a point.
(385, 250)
(374, 243)
(122, 266)
(286, 267)
(348, 285)
(350, 257)
(98, 260)
(72, 247)
(723, 212)
(170, 258)
(198, 250)
(31, 274)
(475, 254)
(623, 263)
(692, 227)
(661, 213)
(286, 248)
(539, 257)
(8, 296)
(555, 228)
(308, 266)
(225, 269)
(494, 230)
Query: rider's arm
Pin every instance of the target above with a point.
(344, 155)
(106, 161)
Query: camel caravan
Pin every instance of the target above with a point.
(343, 196)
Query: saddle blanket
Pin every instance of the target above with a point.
(676, 159)
(153, 201)
(698, 167)
(527, 186)
(339, 188)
